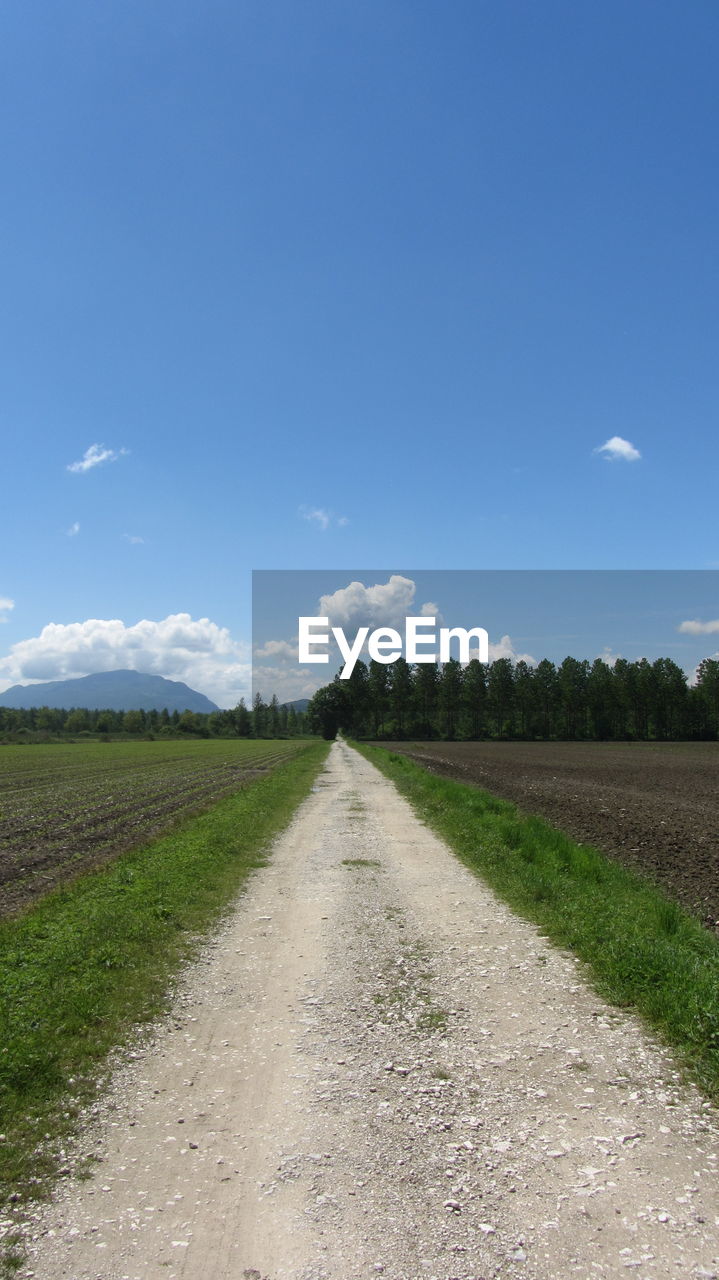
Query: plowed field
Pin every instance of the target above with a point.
(655, 806)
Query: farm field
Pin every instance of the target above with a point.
(69, 807)
(654, 806)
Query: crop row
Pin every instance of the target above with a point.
(66, 808)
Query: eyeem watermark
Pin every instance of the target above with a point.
(386, 645)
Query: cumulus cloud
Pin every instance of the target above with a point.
(6, 605)
(134, 539)
(322, 517)
(179, 647)
(73, 531)
(616, 449)
(288, 683)
(693, 627)
(278, 649)
(504, 648)
(430, 610)
(383, 604)
(609, 656)
(94, 457)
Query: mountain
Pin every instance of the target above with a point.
(110, 690)
(299, 704)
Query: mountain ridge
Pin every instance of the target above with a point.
(121, 690)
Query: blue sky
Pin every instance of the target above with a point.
(345, 283)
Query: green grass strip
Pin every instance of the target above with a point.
(642, 950)
(96, 958)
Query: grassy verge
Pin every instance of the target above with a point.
(642, 950)
(96, 957)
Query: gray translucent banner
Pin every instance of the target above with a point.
(526, 614)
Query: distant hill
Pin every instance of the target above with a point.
(110, 690)
(299, 704)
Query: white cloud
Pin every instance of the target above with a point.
(318, 515)
(609, 656)
(134, 539)
(94, 457)
(278, 649)
(430, 610)
(6, 605)
(617, 449)
(288, 683)
(693, 627)
(504, 648)
(384, 604)
(178, 647)
(322, 517)
(73, 531)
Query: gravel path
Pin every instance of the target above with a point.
(376, 1069)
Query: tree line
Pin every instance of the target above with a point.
(574, 700)
(503, 699)
(262, 720)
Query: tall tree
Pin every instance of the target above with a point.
(525, 699)
(474, 699)
(500, 696)
(133, 722)
(642, 689)
(329, 709)
(243, 720)
(707, 689)
(450, 696)
(378, 684)
(670, 699)
(259, 716)
(400, 694)
(622, 672)
(358, 699)
(602, 700)
(546, 691)
(425, 696)
(572, 678)
(273, 717)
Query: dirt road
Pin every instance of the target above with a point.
(378, 1070)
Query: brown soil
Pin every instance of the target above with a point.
(655, 806)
